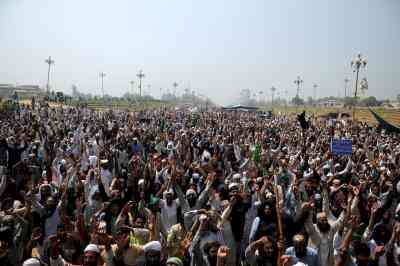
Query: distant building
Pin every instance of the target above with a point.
(330, 103)
(23, 91)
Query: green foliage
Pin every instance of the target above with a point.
(297, 101)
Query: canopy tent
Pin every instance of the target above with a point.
(240, 107)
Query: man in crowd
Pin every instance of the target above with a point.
(82, 187)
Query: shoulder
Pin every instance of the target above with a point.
(311, 252)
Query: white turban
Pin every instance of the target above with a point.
(191, 191)
(31, 262)
(92, 248)
(152, 246)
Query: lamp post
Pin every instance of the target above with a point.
(102, 75)
(315, 86)
(175, 85)
(140, 76)
(356, 64)
(346, 80)
(273, 89)
(298, 82)
(50, 62)
(132, 83)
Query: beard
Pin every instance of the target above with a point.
(324, 227)
(212, 260)
(192, 202)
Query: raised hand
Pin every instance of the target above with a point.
(223, 252)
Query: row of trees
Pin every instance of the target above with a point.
(247, 98)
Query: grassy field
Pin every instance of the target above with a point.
(362, 113)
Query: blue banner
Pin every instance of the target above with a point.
(341, 146)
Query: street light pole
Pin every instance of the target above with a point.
(273, 89)
(356, 64)
(102, 75)
(298, 82)
(175, 85)
(140, 76)
(346, 80)
(50, 62)
(132, 83)
(315, 86)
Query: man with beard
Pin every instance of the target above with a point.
(301, 253)
(69, 246)
(262, 252)
(322, 233)
(152, 253)
(208, 231)
(210, 251)
(191, 203)
(91, 256)
(50, 213)
(13, 236)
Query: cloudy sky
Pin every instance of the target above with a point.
(216, 47)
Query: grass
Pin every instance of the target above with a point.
(361, 114)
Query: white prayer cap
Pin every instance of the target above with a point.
(233, 186)
(236, 177)
(300, 264)
(152, 246)
(191, 192)
(31, 262)
(92, 248)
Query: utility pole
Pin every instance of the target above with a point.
(50, 62)
(298, 82)
(132, 83)
(175, 85)
(356, 64)
(140, 76)
(346, 80)
(315, 86)
(273, 89)
(102, 75)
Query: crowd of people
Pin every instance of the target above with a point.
(213, 188)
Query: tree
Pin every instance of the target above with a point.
(297, 101)
(348, 101)
(370, 101)
(310, 100)
(398, 98)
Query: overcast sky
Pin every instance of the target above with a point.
(216, 47)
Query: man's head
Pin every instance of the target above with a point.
(191, 197)
(152, 251)
(322, 222)
(91, 255)
(211, 250)
(362, 253)
(169, 196)
(174, 261)
(50, 203)
(300, 246)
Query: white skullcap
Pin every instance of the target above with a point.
(236, 176)
(92, 248)
(31, 262)
(190, 191)
(300, 264)
(233, 185)
(152, 246)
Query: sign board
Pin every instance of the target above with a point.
(341, 146)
